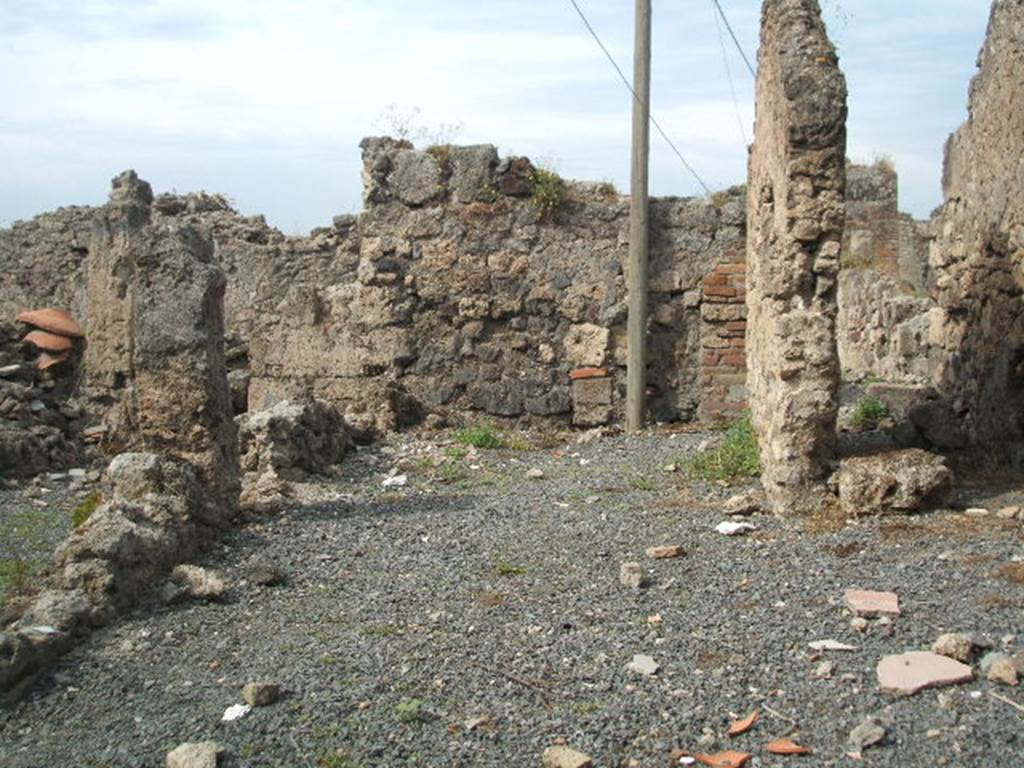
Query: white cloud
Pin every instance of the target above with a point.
(267, 101)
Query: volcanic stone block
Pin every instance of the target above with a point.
(796, 183)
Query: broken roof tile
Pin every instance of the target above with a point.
(51, 342)
(53, 320)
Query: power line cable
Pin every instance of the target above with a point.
(732, 34)
(626, 82)
(732, 86)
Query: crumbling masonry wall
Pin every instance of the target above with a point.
(796, 184)
(156, 364)
(978, 254)
(453, 290)
(883, 323)
(453, 293)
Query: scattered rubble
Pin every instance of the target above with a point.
(954, 645)
(869, 733)
(867, 603)
(907, 673)
(743, 504)
(665, 552)
(730, 528)
(203, 754)
(632, 575)
(743, 725)
(235, 712)
(565, 757)
(199, 583)
(261, 694)
(898, 482)
(830, 645)
(643, 665)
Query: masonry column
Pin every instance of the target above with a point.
(156, 351)
(796, 186)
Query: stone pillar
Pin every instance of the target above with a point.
(796, 187)
(156, 343)
(977, 258)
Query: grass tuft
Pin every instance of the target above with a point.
(81, 513)
(737, 459)
(868, 412)
(480, 436)
(411, 711)
(504, 568)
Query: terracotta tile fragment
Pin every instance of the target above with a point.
(730, 758)
(588, 373)
(908, 673)
(666, 551)
(46, 360)
(787, 747)
(864, 602)
(51, 342)
(53, 320)
(742, 726)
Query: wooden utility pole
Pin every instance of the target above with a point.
(636, 363)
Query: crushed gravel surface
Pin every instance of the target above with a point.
(410, 613)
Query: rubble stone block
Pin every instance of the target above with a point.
(896, 482)
(472, 172)
(293, 438)
(592, 402)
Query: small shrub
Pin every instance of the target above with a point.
(737, 459)
(479, 436)
(641, 483)
(410, 711)
(84, 511)
(868, 413)
(443, 154)
(549, 193)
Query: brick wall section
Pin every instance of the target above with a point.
(723, 354)
(873, 221)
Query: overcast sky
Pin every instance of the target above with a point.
(266, 101)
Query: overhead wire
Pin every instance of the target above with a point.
(625, 81)
(728, 26)
(732, 86)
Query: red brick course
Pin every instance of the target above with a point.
(723, 359)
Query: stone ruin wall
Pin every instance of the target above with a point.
(451, 293)
(977, 257)
(883, 323)
(481, 306)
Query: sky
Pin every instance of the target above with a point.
(266, 101)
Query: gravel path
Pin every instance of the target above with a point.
(476, 593)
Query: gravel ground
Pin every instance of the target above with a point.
(35, 517)
(480, 593)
